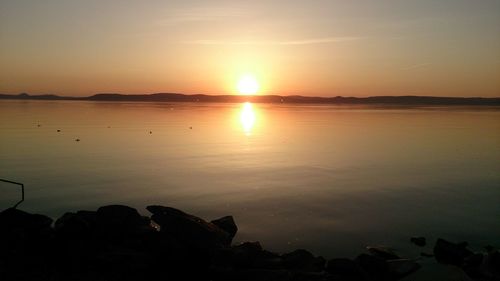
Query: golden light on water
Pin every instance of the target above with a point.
(247, 117)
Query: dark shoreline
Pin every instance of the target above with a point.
(339, 100)
(117, 243)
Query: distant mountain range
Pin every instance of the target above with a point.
(174, 97)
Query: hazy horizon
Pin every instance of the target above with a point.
(329, 48)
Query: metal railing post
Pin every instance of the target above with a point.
(22, 190)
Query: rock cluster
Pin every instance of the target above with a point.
(117, 243)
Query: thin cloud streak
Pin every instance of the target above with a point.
(416, 66)
(292, 42)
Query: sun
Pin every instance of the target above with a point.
(248, 85)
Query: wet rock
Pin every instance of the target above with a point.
(402, 267)
(303, 260)
(419, 241)
(189, 229)
(383, 252)
(227, 224)
(346, 269)
(376, 267)
(451, 253)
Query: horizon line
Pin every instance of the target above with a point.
(238, 95)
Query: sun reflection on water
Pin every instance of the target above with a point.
(247, 117)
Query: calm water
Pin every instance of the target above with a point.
(329, 178)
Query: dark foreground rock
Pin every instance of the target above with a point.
(227, 224)
(116, 243)
(189, 229)
(451, 253)
(419, 241)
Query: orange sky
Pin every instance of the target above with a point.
(320, 48)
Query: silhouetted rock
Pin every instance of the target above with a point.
(346, 269)
(227, 224)
(312, 276)
(491, 266)
(419, 241)
(26, 242)
(247, 255)
(21, 223)
(252, 275)
(119, 220)
(189, 229)
(383, 252)
(426, 254)
(117, 243)
(75, 225)
(472, 265)
(376, 267)
(303, 260)
(451, 253)
(401, 267)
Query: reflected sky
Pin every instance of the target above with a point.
(336, 178)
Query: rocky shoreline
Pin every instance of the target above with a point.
(117, 243)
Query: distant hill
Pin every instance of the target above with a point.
(25, 96)
(175, 97)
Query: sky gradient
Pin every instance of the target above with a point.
(318, 48)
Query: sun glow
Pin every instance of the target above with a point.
(248, 85)
(247, 117)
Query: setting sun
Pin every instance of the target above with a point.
(248, 85)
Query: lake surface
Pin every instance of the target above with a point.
(332, 179)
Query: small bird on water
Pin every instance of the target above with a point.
(77, 140)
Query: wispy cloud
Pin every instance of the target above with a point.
(284, 42)
(416, 66)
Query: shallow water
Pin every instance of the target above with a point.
(332, 179)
